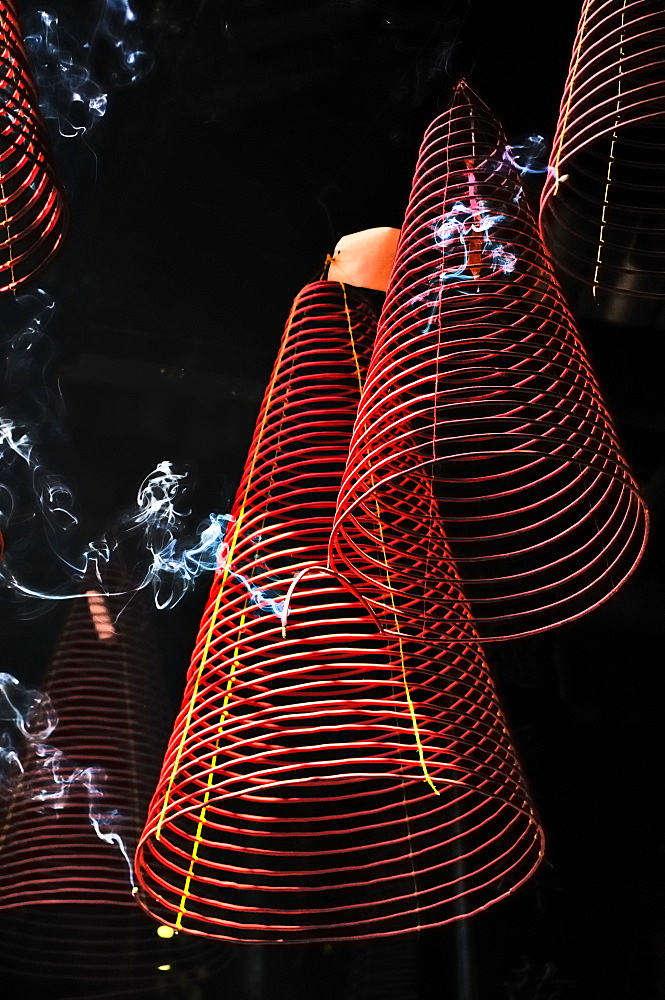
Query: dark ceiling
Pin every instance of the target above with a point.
(210, 192)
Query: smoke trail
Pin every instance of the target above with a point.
(470, 226)
(28, 351)
(176, 564)
(67, 93)
(35, 503)
(28, 712)
(62, 781)
(168, 563)
(71, 93)
(31, 714)
(54, 497)
(31, 409)
(530, 157)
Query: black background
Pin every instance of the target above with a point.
(205, 198)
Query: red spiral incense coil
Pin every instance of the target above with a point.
(104, 685)
(603, 203)
(478, 379)
(67, 911)
(324, 782)
(32, 214)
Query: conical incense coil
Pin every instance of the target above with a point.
(96, 769)
(67, 910)
(603, 203)
(100, 951)
(478, 379)
(32, 214)
(325, 782)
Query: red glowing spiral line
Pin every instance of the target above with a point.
(603, 203)
(324, 782)
(67, 913)
(106, 687)
(32, 214)
(478, 379)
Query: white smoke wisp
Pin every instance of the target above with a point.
(176, 564)
(30, 715)
(77, 64)
(168, 563)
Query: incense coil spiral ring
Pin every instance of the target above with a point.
(478, 379)
(32, 211)
(603, 203)
(73, 951)
(324, 781)
(103, 674)
(67, 909)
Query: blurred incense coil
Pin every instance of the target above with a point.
(324, 782)
(32, 214)
(68, 918)
(479, 381)
(106, 688)
(99, 951)
(603, 203)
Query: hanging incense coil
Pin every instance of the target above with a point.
(93, 951)
(67, 911)
(32, 214)
(323, 781)
(103, 679)
(479, 381)
(603, 203)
